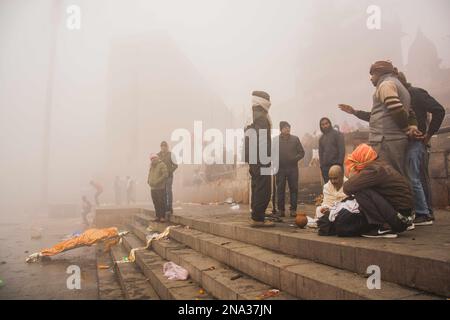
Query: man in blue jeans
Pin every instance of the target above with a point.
(417, 156)
(166, 156)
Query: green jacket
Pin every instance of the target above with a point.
(166, 157)
(157, 175)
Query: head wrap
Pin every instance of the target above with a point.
(359, 159)
(262, 99)
(382, 67)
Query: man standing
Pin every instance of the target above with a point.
(390, 120)
(130, 188)
(291, 152)
(331, 148)
(166, 156)
(87, 207)
(418, 150)
(117, 191)
(98, 191)
(258, 138)
(157, 177)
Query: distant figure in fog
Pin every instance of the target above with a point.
(98, 191)
(118, 190)
(131, 190)
(86, 207)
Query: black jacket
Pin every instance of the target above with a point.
(331, 148)
(291, 151)
(260, 122)
(422, 104)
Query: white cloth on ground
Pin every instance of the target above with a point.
(350, 205)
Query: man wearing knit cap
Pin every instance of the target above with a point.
(391, 120)
(258, 143)
(290, 153)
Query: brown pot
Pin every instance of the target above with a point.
(301, 220)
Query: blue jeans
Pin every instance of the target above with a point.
(169, 195)
(416, 157)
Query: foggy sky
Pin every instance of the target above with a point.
(235, 46)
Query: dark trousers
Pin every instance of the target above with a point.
(159, 202)
(169, 194)
(325, 170)
(378, 211)
(291, 176)
(261, 191)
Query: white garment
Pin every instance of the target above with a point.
(258, 101)
(330, 197)
(265, 104)
(350, 205)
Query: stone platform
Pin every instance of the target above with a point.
(216, 245)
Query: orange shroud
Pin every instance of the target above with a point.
(88, 238)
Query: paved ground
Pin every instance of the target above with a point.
(45, 280)
(430, 241)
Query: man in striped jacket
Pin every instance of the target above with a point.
(391, 120)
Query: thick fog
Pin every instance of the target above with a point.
(136, 70)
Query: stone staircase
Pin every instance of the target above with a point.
(226, 259)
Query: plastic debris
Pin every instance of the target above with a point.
(103, 267)
(269, 294)
(209, 269)
(229, 200)
(235, 207)
(174, 272)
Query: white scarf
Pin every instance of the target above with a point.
(264, 103)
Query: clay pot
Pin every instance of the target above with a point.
(301, 220)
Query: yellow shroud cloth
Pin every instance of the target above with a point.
(87, 238)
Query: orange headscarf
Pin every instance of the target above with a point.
(359, 159)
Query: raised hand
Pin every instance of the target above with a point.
(347, 108)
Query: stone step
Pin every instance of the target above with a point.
(151, 265)
(216, 278)
(301, 278)
(412, 264)
(108, 284)
(134, 284)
